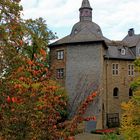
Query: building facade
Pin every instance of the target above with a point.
(86, 61)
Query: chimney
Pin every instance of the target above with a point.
(131, 32)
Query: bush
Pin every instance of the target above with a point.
(111, 136)
(104, 131)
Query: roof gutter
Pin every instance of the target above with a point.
(77, 43)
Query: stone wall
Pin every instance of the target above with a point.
(56, 64)
(122, 81)
(84, 71)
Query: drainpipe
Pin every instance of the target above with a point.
(106, 90)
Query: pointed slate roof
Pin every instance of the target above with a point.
(85, 4)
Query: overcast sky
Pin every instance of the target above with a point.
(115, 17)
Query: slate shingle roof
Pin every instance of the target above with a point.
(132, 40)
(114, 52)
(87, 31)
(84, 31)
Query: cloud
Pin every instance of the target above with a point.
(117, 16)
(54, 11)
(114, 16)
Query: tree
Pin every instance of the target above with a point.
(36, 36)
(10, 32)
(130, 124)
(18, 36)
(32, 104)
(27, 91)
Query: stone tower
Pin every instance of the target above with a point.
(82, 64)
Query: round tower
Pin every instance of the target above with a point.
(85, 11)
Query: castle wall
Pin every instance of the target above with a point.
(84, 72)
(122, 81)
(57, 64)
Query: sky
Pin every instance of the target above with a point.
(115, 17)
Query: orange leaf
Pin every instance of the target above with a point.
(14, 99)
(43, 52)
(30, 62)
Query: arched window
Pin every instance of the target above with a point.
(115, 92)
(130, 92)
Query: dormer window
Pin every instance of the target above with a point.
(75, 31)
(123, 51)
(98, 31)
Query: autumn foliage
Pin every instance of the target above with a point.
(71, 126)
(130, 123)
(32, 105)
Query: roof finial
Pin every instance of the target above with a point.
(85, 11)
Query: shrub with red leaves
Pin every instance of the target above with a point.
(105, 131)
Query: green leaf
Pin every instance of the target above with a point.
(35, 85)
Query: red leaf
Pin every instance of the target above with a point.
(8, 99)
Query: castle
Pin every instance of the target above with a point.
(85, 61)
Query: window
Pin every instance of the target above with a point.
(130, 93)
(131, 70)
(115, 92)
(98, 31)
(122, 51)
(75, 31)
(113, 120)
(115, 69)
(60, 73)
(60, 54)
(138, 51)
